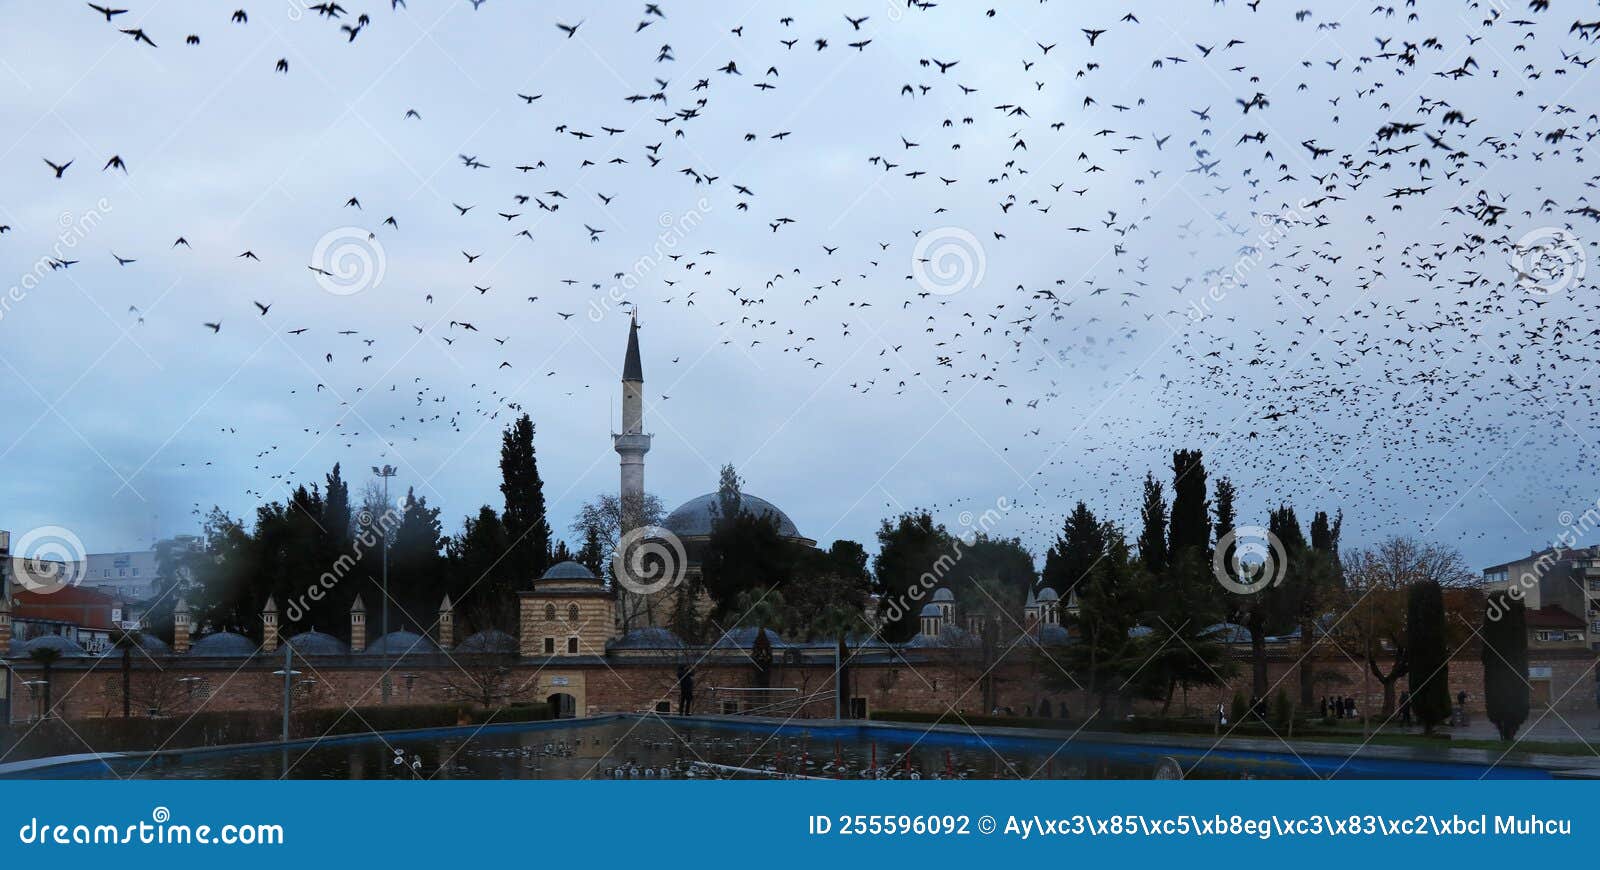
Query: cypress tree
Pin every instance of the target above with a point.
(1430, 664)
(1505, 662)
(1153, 534)
(527, 527)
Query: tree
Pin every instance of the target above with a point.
(1081, 544)
(914, 555)
(1153, 529)
(1505, 662)
(46, 658)
(527, 528)
(1324, 585)
(483, 580)
(1375, 590)
(484, 676)
(744, 552)
(1189, 528)
(414, 568)
(1430, 661)
(1105, 655)
(601, 519)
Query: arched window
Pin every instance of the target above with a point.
(550, 613)
(572, 613)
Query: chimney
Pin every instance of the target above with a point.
(358, 626)
(269, 625)
(180, 627)
(447, 624)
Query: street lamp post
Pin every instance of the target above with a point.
(386, 472)
(288, 673)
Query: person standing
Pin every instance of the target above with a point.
(1405, 708)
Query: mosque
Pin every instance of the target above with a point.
(583, 644)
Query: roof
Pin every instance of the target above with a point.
(568, 570)
(931, 609)
(745, 638)
(1048, 594)
(648, 638)
(490, 640)
(67, 648)
(631, 369)
(399, 643)
(1551, 616)
(943, 594)
(81, 606)
(695, 517)
(317, 643)
(224, 644)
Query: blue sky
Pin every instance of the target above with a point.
(835, 373)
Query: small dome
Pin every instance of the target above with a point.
(650, 638)
(490, 640)
(568, 570)
(1227, 632)
(400, 643)
(695, 517)
(152, 645)
(943, 594)
(66, 647)
(1047, 595)
(931, 609)
(224, 644)
(316, 643)
(745, 638)
(1054, 635)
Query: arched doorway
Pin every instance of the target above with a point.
(563, 705)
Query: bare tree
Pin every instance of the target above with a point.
(1376, 580)
(603, 516)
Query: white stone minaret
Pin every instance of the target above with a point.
(632, 443)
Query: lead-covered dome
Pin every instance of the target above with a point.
(224, 644)
(695, 517)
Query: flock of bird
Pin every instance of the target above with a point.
(1343, 256)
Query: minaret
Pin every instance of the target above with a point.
(632, 443)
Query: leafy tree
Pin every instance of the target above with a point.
(1153, 533)
(914, 556)
(744, 551)
(527, 528)
(414, 570)
(1430, 661)
(1505, 662)
(1189, 529)
(483, 580)
(1105, 655)
(1081, 544)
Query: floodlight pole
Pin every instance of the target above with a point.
(385, 472)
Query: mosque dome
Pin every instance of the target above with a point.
(317, 643)
(400, 643)
(648, 639)
(65, 646)
(931, 609)
(1047, 595)
(943, 594)
(224, 644)
(490, 640)
(568, 570)
(695, 517)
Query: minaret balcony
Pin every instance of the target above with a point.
(631, 442)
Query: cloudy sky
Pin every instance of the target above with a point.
(869, 283)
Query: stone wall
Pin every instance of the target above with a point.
(935, 682)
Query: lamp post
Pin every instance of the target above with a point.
(288, 673)
(385, 472)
